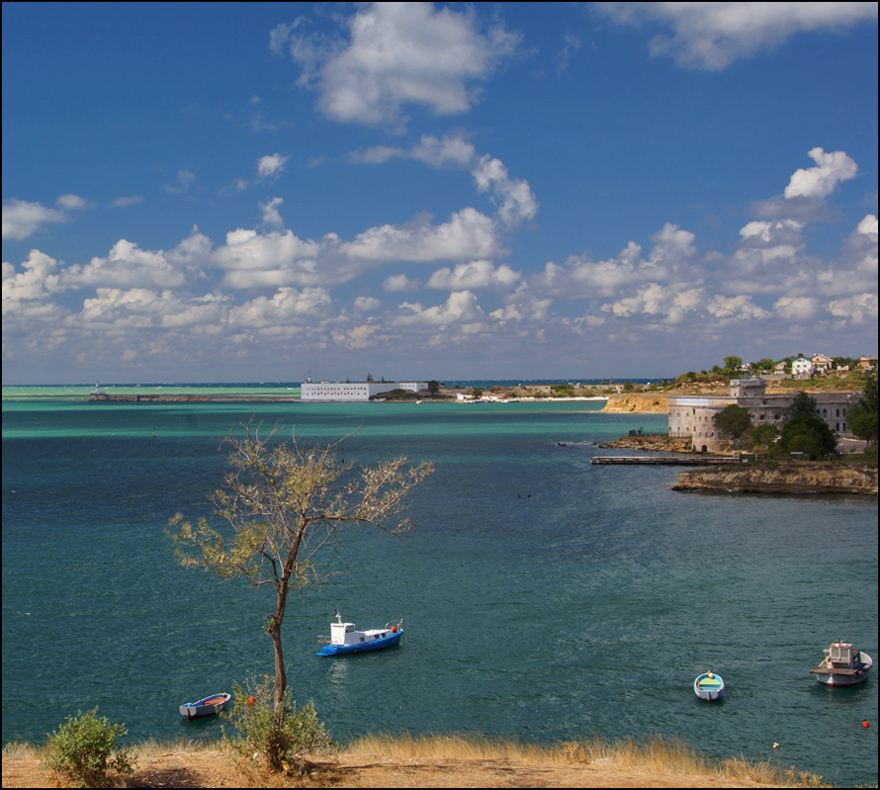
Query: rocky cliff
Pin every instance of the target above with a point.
(637, 402)
(790, 477)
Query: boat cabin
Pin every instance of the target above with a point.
(843, 654)
(345, 634)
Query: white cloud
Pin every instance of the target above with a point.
(861, 308)
(399, 282)
(270, 212)
(367, 304)
(22, 218)
(270, 165)
(474, 276)
(73, 202)
(467, 234)
(460, 307)
(796, 308)
(125, 267)
(37, 281)
(515, 200)
(820, 181)
(397, 54)
(185, 179)
(131, 200)
(714, 35)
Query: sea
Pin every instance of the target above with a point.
(544, 599)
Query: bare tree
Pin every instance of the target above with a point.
(284, 501)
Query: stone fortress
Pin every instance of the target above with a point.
(691, 416)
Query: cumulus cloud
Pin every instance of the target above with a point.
(475, 276)
(513, 196)
(820, 181)
(460, 307)
(270, 165)
(467, 234)
(38, 280)
(714, 35)
(396, 54)
(22, 218)
(271, 216)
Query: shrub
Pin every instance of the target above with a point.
(280, 738)
(82, 749)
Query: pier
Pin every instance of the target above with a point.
(669, 460)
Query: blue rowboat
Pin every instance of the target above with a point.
(709, 686)
(206, 707)
(345, 639)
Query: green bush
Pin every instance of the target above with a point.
(82, 749)
(280, 739)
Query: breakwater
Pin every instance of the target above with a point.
(668, 460)
(784, 478)
(103, 397)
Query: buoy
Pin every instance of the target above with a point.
(393, 629)
(775, 745)
(251, 701)
(865, 724)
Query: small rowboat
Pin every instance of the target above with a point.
(709, 686)
(344, 639)
(206, 707)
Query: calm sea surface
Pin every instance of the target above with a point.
(544, 599)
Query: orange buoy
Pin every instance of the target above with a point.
(865, 724)
(393, 629)
(251, 701)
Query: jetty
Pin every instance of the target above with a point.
(102, 397)
(668, 460)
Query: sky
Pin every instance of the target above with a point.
(257, 192)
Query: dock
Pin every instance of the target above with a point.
(669, 460)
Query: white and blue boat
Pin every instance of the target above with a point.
(206, 707)
(345, 639)
(709, 686)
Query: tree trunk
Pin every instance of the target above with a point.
(280, 674)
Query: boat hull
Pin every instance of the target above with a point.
(365, 647)
(707, 688)
(831, 677)
(205, 707)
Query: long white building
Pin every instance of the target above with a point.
(355, 390)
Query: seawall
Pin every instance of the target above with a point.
(787, 477)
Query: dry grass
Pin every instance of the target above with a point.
(656, 754)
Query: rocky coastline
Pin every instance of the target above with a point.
(784, 477)
(637, 403)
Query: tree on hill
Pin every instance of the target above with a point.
(862, 417)
(283, 503)
(808, 435)
(733, 421)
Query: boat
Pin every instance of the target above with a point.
(206, 707)
(843, 665)
(345, 639)
(709, 686)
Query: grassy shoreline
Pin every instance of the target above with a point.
(418, 760)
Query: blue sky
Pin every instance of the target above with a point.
(255, 192)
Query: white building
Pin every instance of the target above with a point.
(691, 416)
(802, 368)
(355, 390)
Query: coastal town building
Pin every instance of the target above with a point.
(802, 368)
(691, 416)
(355, 390)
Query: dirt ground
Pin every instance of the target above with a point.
(212, 769)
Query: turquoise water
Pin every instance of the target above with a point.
(543, 598)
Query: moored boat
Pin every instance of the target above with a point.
(345, 639)
(709, 686)
(843, 665)
(206, 707)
